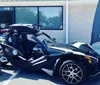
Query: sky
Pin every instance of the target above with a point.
(50, 11)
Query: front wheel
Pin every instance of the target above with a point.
(72, 72)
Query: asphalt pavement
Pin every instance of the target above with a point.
(11, 77)
(17, 77)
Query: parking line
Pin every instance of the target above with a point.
(11, 78)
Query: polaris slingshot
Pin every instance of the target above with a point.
(30, 49)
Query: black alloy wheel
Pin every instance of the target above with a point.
(72, 72)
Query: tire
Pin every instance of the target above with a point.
(72, 72)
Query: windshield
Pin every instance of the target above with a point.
(46, 39)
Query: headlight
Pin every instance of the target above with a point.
(14, 52)
(91, 59)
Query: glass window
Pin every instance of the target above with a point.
(6, 17)
(51, 17)
(26, 15)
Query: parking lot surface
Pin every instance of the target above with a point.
(11, 77)
(17, 77)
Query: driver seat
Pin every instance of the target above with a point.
(16, 43)
(27, 45)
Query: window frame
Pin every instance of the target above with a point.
(38, 17)
(61, 17)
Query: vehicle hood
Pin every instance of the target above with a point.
(69, 48)
(61, 48)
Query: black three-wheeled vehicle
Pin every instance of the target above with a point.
(28, 48)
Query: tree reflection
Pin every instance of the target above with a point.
(49, 19)
(54, 22)
(26, 15)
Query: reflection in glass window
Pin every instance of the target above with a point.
(51, 17)
(26, 15)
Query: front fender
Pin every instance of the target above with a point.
(79, 58)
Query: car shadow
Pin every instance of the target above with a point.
(35, 75)
(92, 81)
(4, 76)
(40, 75)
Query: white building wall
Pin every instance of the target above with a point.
(60, 35)
(81, 16)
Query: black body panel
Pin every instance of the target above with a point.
(43, 52)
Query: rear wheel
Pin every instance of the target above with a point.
(72, 72)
